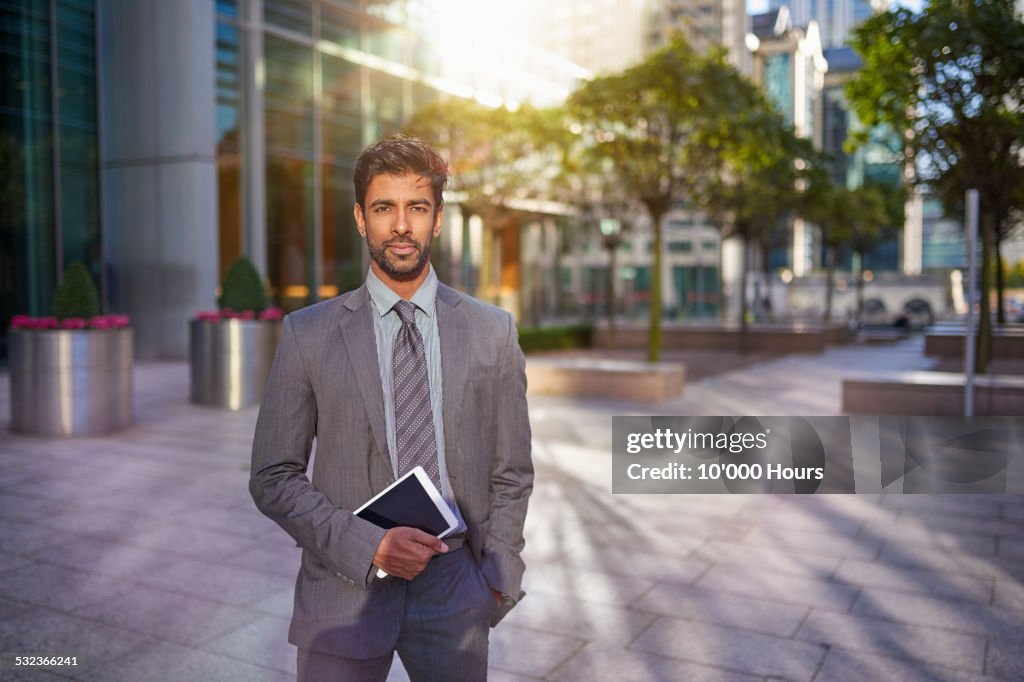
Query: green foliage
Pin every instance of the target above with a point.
(949, 77)
(660, 130)
(350, 277)
(77, 295)
(1015, 275)
(242, 289)
(533, 339)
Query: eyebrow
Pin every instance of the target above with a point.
(391, 202)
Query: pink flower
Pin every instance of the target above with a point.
(208, 316)
(73, 323)
(272, 314)
(21, 322)
(44, 323)
(101, 322)
(247, 315)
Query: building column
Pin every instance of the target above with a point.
(158, 166)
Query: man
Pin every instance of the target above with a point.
(403, 371)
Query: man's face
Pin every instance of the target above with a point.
(399, 223)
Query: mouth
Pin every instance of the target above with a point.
(403, 248)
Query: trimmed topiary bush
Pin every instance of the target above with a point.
(532, 339)
(242, 289)
(76, 297)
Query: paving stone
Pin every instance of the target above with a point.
(168, 615)
(59, 587)
(817, 542)
(716, 608)
(215, 582)
(250, 523)
(819, 594)
(940, 560)
(918, 533)
(1009, 593)
(263, 642)
(97, 522)
(546, 651)
(948, 614)
(746, 652)
(279, 604)
(273, 558)
(904, 579)
(899, 640)
(1011, 548)
(595, 663)
(544, 579)
(47, 633)
(190, 541)
(14, 507)
(164, 661)
(21, 538)
(582, 619)
(109, 558)
(1006, 656)
(10, 608)
(786, 562)
(856, 666)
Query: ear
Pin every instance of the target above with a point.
(437, 221)
(360, 220)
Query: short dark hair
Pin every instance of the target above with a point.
(398, 155)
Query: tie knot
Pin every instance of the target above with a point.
(406, 311)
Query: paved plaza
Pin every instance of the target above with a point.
(142, 555)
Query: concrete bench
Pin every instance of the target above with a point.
(932, 394)
(604, 378)
(780, 339)
(945, 341)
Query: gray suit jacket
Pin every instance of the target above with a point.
(325, 383)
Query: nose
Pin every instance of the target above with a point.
(401, 225)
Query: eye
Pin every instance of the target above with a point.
(419, 209)
(381, 209)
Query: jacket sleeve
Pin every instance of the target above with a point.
(511, 477)
(278, 483)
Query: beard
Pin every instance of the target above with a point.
(401, 270)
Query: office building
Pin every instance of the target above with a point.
(157, 141)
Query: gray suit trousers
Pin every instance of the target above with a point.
(444, 635)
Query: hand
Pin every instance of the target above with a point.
(404, 552)
(497, 597)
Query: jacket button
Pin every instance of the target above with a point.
(339, 575)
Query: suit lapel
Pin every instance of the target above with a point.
(453, 328)
(361, 347)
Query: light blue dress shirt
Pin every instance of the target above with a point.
(386, 324)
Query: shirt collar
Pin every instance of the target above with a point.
(385, 299)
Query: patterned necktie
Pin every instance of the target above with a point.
(414, 419)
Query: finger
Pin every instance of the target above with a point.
(428, 540)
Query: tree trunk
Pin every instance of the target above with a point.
(654, 330)
(744, 259)
(1000, 306)
(983, 347)
(766, 274)
(830, 271)
(860, 289)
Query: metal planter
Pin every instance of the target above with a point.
(70, 382)
(230, 360)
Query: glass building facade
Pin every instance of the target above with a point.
(48, 150)
(114, 94)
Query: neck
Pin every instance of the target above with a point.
(404, 288)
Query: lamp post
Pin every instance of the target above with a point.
(611, 238)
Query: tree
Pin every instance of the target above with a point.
(662, 124)
(758, 185)
(501, 160)
(830, 207)
(952, 78)
(879, 213)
